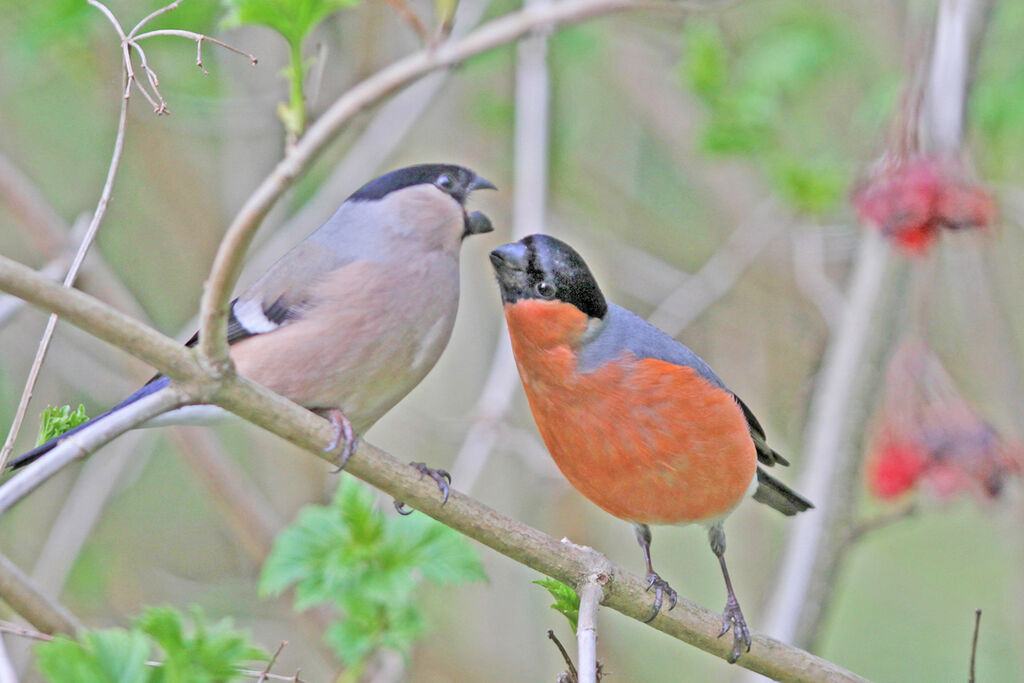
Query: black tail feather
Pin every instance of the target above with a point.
(775, 494)
(42, 449)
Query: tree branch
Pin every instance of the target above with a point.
(22, 595)
(586, 627)
(571, 564)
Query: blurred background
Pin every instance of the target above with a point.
(702, 162)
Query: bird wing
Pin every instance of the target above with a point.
(624, 330)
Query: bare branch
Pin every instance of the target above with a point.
(720, 272)
(570, 671)
(591, 594)
(974, 644)
(153, 15)
(45, 229)
(270, 665)
(26, 599)
(227, 264)
(199, 38)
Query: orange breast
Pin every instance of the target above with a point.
(646, 440)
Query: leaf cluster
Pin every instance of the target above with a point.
(204, 653)
(350, 556)
(58, 420)
(750, 88)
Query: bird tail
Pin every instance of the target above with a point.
(775, 494)
(42, 449)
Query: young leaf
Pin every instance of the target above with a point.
(56, 421)
(368, 566)
(293, 19)
(566, 602)
(109, 656)
(205, 653)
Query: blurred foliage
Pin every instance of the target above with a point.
(203, 653)
(997, 103)
(350, 556)
(567, 602)
(295, 21)
(55, 421)
(749, 88)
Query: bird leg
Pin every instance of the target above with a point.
(660, 585)
(440, 477)
(732, 617)
(342, 429)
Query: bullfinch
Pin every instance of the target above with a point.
(635, 420)
(354, 316)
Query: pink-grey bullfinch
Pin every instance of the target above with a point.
(352, 318)
(635, 420)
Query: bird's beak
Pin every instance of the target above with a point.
(509, 257)
(477, 223)
(479, 183)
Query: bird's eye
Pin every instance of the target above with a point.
(546, 289)
(445, 182)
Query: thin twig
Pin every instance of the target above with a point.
(43, 226)
(573, 676)
(153, 15)
(198, 37)
(270, 665)
(69, 280)
(14, 629)
(879, 522)
(591, 595)
(409, 16)
(720, 272)
(974, 644)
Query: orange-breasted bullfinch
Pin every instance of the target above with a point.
(352, 318)
(635, 420)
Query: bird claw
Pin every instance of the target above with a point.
(440, 477)
(661, 588)
(732, 618)
(342, 429)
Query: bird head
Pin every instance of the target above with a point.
(542, 268)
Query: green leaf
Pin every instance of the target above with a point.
(367, 566)
(811, 188)
(704, 67)
(293, 19)
(56, 421)
(109, 656)
(567, 603)
(206, 652)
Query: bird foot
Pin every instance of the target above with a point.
(440, 477)
(732, 618)
(661, 588)
(342, 429)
